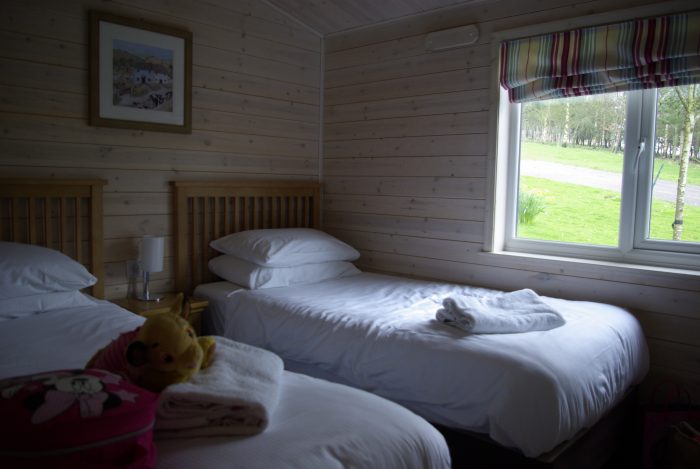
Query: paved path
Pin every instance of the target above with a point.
(664, 190)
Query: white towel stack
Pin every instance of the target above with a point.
(235, 395)
(500, 313)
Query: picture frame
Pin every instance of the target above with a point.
(140, 75)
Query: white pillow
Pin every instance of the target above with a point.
(30, 270)
(13, 308)
(285, 247)
(253, 276)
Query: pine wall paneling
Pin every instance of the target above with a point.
(406, 172)
(256, 80)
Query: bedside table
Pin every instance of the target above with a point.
(167, 304)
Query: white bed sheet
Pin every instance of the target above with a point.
(530, 391)
(317, 424)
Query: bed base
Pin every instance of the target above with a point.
(613, 442)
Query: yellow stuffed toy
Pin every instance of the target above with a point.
(163, 351)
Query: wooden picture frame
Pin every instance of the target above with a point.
(140, 75)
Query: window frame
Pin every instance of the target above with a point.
(633, 245)
(532, 246)
(645, 175)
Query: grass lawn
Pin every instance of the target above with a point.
(603, 160)
(582, 214)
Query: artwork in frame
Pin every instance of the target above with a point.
(140, 75)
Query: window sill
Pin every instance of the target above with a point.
(637, 274)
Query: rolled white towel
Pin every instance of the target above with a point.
(235, 395)
(500, 313)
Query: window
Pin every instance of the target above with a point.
(612, 176)
(598, 138)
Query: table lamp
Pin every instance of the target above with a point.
(151, 259)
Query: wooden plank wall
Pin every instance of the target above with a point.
(405, 172)
(256, 79)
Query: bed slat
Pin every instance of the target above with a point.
(195, 224)
(64, 225)
(16, 235)
(48, 235)
(78, 235)
(204, 257)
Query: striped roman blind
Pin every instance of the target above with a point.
(637, 54)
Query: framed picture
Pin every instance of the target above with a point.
(140, 75)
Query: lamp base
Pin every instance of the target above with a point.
(149, 298)
(146, 294)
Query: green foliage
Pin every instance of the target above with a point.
(673, 106)
(580, 214)
(595, 121)
(530, 204)
(598, 121)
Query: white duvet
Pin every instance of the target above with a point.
(530, 391)
(317, 424)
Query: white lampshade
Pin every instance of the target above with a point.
(152, 248)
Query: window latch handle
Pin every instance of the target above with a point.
(640, 149)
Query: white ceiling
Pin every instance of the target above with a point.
(332, 16)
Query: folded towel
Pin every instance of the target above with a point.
(235, 395)
(518, 311)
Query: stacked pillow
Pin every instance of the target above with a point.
(281, 257)
(34, 279)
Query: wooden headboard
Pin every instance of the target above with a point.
(205, 211)
(61, 214)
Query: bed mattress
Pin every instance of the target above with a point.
(529, 391)
(317, 424)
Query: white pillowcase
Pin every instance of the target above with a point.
(285, 247)
(29, 270)
(253, 276)
(13, 308)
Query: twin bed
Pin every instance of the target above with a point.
(529, 391)
(535, 393)
(316, 424)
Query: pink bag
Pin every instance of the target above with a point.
(76, 418)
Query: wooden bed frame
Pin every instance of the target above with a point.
(205, 211)
(61, 214)
(208, 210)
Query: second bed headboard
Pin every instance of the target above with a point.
(205, 211)
(61, 214)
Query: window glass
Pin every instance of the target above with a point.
(570, 169)
(675, 202)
